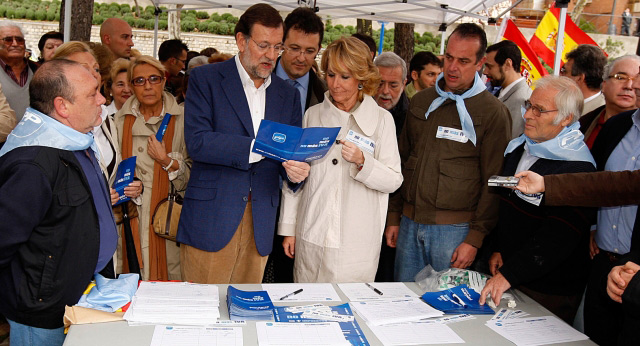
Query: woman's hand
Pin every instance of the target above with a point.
(114, 196)
(157, 152)
(351, 153)
(134, 189)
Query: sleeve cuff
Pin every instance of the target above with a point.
(286, 229)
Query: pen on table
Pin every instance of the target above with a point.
(459, 300)
(291, 294)
(373, 288)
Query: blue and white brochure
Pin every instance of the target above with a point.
(249, 305)
(163, 127)
(285, 142)
(457, 300)
(124, 176)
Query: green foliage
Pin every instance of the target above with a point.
(202, 15)
(613, 48)
(163, 24)
(3, 10)
(97, 19)
(150, 9)
(40, 15)
(150, 24)
(588, 26)
(213, 27)
(139, 23)
(51, 15)
(10, 13)
(115, 7)
(147, 15)
(215, 17)
(125, 8)
(20, 13)
(130, 20)
(187, 25)
(202, 26)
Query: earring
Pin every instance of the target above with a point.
(360, 86)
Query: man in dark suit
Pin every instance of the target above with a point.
(303, 32)
(228, 218)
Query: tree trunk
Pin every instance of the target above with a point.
(364, 27)
(81, 18)
(403, 41)
(174, 22)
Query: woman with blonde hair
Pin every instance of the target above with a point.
(334, 225)
(117, 87)
(159, 164)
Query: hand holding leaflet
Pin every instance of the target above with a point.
(124, 176)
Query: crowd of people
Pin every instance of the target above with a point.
(404, 186)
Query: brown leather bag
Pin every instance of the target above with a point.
(132, 211)
(167, 215)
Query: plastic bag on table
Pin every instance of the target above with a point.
(430, 280)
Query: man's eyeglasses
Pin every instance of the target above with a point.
(535, 109)
(264, 46)
(10, 39)
(295, 51)
(140, 81)
(621, 77)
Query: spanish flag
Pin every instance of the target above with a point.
(530, 67)
(543, 41)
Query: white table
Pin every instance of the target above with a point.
(473, 332)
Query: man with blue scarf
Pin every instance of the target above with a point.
(450, 145)
(542, 250)
(57, 227)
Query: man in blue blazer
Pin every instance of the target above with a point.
(228, 217)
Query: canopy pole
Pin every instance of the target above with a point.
(67, 20)
(155, 32)
(560, 42)
(443, 31)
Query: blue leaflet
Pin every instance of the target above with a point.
(124, 175)
(351, 330)
(284, 142)
(249, 305)
(163, 127)
(457, 300)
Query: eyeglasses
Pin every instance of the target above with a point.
(140, 81)
(10, 39)
(621, 77)
(264, 46)
(295, 51)
(535, 109)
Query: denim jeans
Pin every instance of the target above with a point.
(23, 335)
(419, 245)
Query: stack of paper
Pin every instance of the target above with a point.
(536, 330)
(196, 336)
(377, 312)
(174, 303)
(249, 305)
(457, 300)
(322, 313)
(376, 290)
(416, 333)
(296, 334)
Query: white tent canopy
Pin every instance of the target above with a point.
(427, 12)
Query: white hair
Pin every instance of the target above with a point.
(391, 59)
(10, 24)
(569, 99)
(607, 69)
(197, 61)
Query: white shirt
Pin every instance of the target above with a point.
(106, 152)
(526, 161)
(592, 96)
(256, 99)
(508, 87)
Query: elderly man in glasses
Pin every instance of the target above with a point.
(229, 215)
(17, 71)
(542, 250)
(619, 96)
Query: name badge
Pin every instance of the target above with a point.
(534, 199)
(364, 143)
(451, 134)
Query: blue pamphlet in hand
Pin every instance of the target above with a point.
(284, 142)
(124, 175)
(457, 300)
(163, 127)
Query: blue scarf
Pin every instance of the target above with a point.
(465, 118)
(568, 145)
(37, 129)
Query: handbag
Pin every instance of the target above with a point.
(132, 211)
(167, 215)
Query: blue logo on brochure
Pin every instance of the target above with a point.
(279, 137)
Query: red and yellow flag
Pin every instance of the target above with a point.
(543, 41)
(530, 67)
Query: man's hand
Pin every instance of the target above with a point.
(114, 196)
(391, 234)
(463, 256)
(496, 287)
(530, 182)
(134, 189)
(351, 152)
(619, 278)
(289, 245)
(593, 246)
(296, 171)
(495, 262)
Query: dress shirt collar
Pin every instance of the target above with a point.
(509, 87)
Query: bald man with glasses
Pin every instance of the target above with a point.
(17, 71)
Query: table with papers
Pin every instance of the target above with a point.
(475, 330)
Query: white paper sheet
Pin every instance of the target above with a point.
(394, 310)
(296, 334)
(196, 336)
(536, 330)
(416, 333)
(390, 290)
(178, 290)
(310, 292)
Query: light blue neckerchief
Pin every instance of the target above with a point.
(568, 145)
(465, 118)
(110, 294)
(37, 129)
